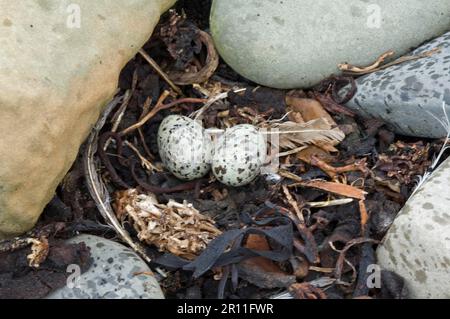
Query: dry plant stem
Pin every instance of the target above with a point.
(289, 175)
(330, 203)
(294, 151)
(197, 114)
(321, 269)
(146, 107)
(360, 165)
(293, 203)
(144, 144)
(117, 118)
(144, 162)
(159, 107)
(387, 65)
(341, 259)
(354, 69)
(97, 188)
(145, 110)
(161, 73)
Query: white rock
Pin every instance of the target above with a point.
(59, 65)
(417, 246)
(297, 43)
(112, 274)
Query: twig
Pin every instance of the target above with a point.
(294, 151)
(329, 203)
(161, 73)
(294, 204)
(144, 162)
(341, 259)
(352, 70)
(289, 175)
(346, 67)
(197, 114)
(360, 165)
(159, 107)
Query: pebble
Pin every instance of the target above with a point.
(112, 274)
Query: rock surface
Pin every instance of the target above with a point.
(112, 274)
(404, 95)
(59, 65)
(297, 43)
(417, 246)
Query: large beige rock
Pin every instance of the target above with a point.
(56, 74)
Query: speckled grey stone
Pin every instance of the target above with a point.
(403, 95)
(417, 246)
(297, 43)
(112, 274)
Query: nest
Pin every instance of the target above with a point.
(176, 228)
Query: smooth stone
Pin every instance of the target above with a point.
(59, 66)
(417, 247)
(298, 43)
(112, 274)
(405, 96)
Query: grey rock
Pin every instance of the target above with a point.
(417, 246)
(297, 43)
(409, 96)
(112, 274)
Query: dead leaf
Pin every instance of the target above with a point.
(308, 109)
(307, 154)
(336, 188)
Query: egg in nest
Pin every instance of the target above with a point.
(184, 148)
(238, 155)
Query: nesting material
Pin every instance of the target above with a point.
(176, 228)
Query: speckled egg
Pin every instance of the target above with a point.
(184, 148)
(239, 155)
